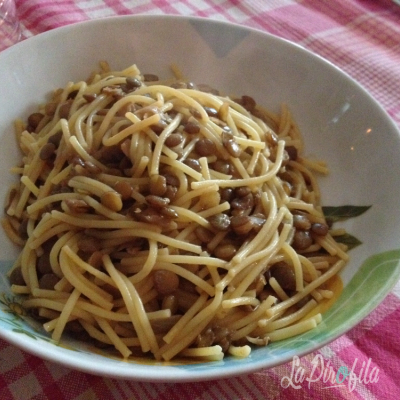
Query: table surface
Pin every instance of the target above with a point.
(362, 37)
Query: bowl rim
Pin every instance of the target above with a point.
(176, 374)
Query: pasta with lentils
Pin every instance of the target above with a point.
(163, 218)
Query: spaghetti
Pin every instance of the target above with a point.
(162, 217)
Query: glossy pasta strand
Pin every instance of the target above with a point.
(156, 215)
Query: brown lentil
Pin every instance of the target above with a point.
(248, 103)
(320, 229)
(192, 126)
(211, 112)
(225, 251)
(187, 286)
(284, 275)
(222, 337)
(205, 338)
(292, 152)
(150, 77)
(16, 277)
(257, 222)
(95, 259)
(222, 166)
(78, 161)
(157, 201)
(159, 126)
(242, 191)
(61, 189)
(302, 240)
(179, 85)
(242, 224)
(124, 189)
(226, 194)
(301, 222)
(74, 327)
(90, 97)
(168, 212)
(103, 111)
(193, 163)
(195, 113)
(243, 203)
(22, 229)
(50, 109)
(34, 120)
(170, 302)
(64, 109)
(207, 88)
(172, 180)
(264, 294)
(165, 282)
(43, 265)
(171, 192)
(47, 151)
(56, 138)
(220, 222)
(233, 148)
(161, 326)
(151, 216)
(301, 303)
(158, 185)
(48, 281)
(133, 82)
(89, 244)
(230, 144)
(173, 140)
(205, 147)
(48, 244)
(72, 95)
(226, 128)
(236, 212)
(215, 336)
(271, 138)
(203, 234)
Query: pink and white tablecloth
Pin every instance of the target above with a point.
(360, 36)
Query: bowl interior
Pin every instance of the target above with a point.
(339, 120)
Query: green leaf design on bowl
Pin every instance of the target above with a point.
(341, 213)
(349, 240)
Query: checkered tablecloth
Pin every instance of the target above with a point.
(360, 36)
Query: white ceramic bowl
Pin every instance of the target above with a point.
(340, 122)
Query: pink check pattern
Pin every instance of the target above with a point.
(360, 36)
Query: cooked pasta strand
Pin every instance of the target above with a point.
(169, 220)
